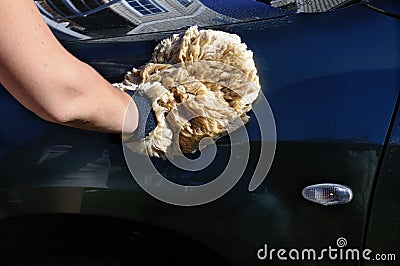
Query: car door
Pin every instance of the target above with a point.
(332, 85)
(382, 230)
(331, 81)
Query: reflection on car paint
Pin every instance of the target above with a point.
(54, 151)
(307, 6)
(94, 19)
(86, 19)
(94, 173)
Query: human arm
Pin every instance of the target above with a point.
(52, 83)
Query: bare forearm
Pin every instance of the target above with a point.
(93, 103)
(49, 81)
(74, 94)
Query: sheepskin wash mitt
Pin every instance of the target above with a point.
(201, 83)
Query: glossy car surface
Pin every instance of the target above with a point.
(332, 80)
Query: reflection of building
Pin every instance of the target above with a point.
(98, 18)
(307, 6)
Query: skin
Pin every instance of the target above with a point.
(52, 83)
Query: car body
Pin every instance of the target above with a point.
(332, 80)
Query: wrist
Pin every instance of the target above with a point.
(130, 121)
